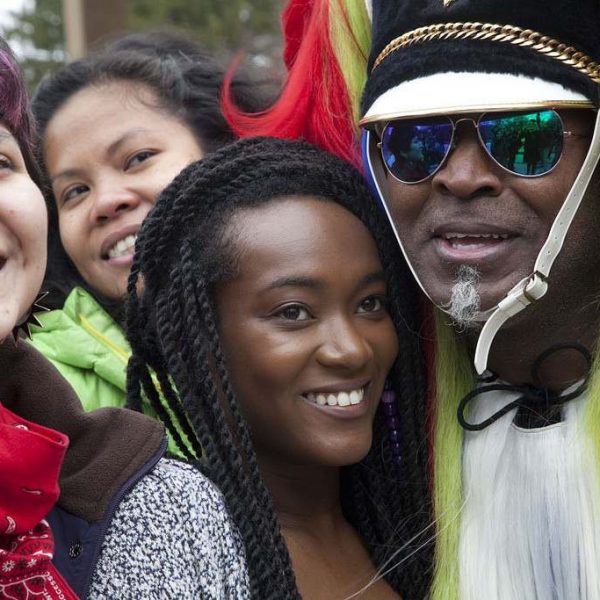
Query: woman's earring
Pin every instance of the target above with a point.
(390, 410)
(31, 319)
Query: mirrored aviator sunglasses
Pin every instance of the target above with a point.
(528, 144)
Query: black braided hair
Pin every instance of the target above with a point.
(182, 251)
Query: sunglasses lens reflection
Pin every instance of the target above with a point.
(413, 150)
(524, 143)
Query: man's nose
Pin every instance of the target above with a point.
(469, 171)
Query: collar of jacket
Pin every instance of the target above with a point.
(83, 335)
(107, 446)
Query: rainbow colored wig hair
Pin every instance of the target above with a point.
(327, 43)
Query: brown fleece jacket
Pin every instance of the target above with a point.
(107, 446)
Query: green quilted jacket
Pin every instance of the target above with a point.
(90, 350)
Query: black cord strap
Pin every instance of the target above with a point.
(531, 396)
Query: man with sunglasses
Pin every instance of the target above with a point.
(482, 139)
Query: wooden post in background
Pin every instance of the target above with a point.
(88, 22)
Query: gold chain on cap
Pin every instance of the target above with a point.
(496, 33)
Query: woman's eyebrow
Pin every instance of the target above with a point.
(7, 136)
(374, 277)
(9, 142)
(65, 173)
(110, 152)
(294, 281)
(124, 138)
(313, 283)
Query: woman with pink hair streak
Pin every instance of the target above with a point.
(89, 508)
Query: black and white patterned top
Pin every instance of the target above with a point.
(171, 538)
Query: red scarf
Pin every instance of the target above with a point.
(30, 460)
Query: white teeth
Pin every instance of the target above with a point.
(124, 246)
(458, 236)
(339, 399)
(343, 399)
(456, 244)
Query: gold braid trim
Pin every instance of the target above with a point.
(496, 33)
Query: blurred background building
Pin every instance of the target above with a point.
(47, 33)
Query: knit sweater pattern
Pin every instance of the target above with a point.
(180, 545)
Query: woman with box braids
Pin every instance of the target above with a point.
(289, 375)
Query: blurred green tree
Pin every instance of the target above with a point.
(36, 35)
(224, 26)
(218, 24)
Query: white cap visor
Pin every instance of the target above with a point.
(465, 92)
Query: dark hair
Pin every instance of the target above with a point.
(15, 109)
(182, 251)
(186, 81)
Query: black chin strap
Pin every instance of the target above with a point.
(536, 396)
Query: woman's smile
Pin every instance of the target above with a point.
(118, 247)
(345, 401)
(23, 230)
(310, 293)
(109, 153)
